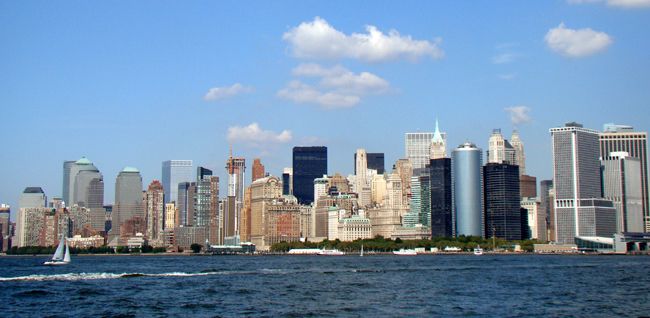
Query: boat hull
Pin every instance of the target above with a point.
(55, 263)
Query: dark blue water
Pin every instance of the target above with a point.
(349, 286)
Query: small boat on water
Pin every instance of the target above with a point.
(405, 252)
(60, 257)
(478, 250)
(333, 252)
(361, 253)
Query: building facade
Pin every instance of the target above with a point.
(441, 198)
(418, 148)
(173, 173)
(502, 201)
(467, 190)
(622, 183)
(128, 211)
(309, 163)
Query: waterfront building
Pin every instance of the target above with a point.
(155, 213)
(258, 170)
(263, 192)
(128, 211)
(355, 227)
(502, 201)
(246, 215)
(438, 144)
(441, 197)
(579, 208)
(173, 173)
(185, 236)
(520, 156)
(622, 183)
(418, 149)
(282, 221)
(527, 186)
(185, 204)
(309, 163)
(622, 138)
(5, 228)
(81, 242)
(536, 219)
(467, 203)
(81, 220)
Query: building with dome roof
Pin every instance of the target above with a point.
(83, 184)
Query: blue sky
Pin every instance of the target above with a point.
(136, 83)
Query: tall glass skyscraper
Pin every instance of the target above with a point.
(203, 197)
(468, 198)
(309, 163)
(128, 200)
(441, 204)
(173, 173)
(502, 201)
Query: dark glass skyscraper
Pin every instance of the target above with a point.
(502, 202)
(309, 163)
(440, 186)
(375, 161)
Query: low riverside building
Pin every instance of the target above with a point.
(85, 242)
(353, 228)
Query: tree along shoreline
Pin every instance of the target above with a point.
(381, 244)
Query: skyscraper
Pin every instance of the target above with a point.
(623, 185)
(185, 205)
(374, 160)
(547, 200)
(203, 197)
(155, 213)
(500, 150)
(520, 156)
(173, 173)
(128, 208)
(309, 163)
(362, 184)
(438, 144)
(618, 138)
(32, 208)
(441, 203)
(287, 182)
(502, 201)
(418, 149)
(467, 194)
(235, 167)
(258, 170)
(579, 208)
(83, 184)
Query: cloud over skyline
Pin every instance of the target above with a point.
(256, 137)
(218, 93)
(519, 114)
(576, 43)
(336, 87)
(626, 4)
(319, 40)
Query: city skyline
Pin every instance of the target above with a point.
(156, 94)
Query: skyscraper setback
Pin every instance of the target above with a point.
(579, 208)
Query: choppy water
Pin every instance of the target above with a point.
(350, 286)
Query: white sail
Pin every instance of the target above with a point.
(58, 255)
(66, 258)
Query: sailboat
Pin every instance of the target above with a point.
(361, 254)
(59, 257)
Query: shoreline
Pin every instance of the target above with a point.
(347, 254)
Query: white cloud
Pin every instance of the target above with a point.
(302, 93)
(254, 136)
(519, 114)
(627, 4)
(217, 93)
(336, 86)
(576, 43)
(318, 39)
(504, 58)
